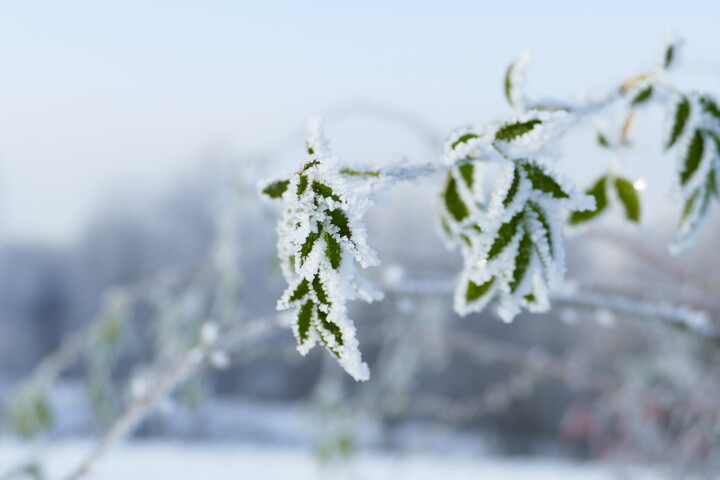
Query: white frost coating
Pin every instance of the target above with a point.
(320, 238)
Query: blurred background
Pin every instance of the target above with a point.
(131, 138)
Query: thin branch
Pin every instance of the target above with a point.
(233, 338)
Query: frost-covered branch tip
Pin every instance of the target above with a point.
(321, 238)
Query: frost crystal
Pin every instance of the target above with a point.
(320, 238)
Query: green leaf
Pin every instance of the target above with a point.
(475, 291)
(629, 197)
(453, 202)
(508, 83)
(302, 185)
(319, 290)
(332, 328)
(276, 189)
(710, 107)
(301, 290)
(505, 235)
(542, 218)
(463, 139)
(304, 319)
(682, 113)
(643, 96)
(324, 190)
(340, 220)
(693, 157)
(598, 190)
(603, 141)
(466, 171)
(513, 130)
(333, 251)
(542, 181)
(669, 55)
(307, 246)
(522, 260)
(512, 190)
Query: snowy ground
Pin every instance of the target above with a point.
(181, 461)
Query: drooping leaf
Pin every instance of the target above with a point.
(710, 107)
(463, 139)
(542, 181)
(629, 198)
(276, 189)
(508, 83)
(522, 260)
(307, 246)
(301, 290)
(466, 171)
(542, 218)
(453, 202)
(475, 291)
(302, 185)
(513, 130)
(669, 56)
(505, 235)
(599, 191)
(333, 251)
(513, 189)
(682, 113)
(304, 319)
(692, 159)
(602, 140)
(643, 96)
(340, 220)
(319, 290)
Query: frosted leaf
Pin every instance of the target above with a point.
(515, 81)
(321, 239)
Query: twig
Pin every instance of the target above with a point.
(175, 377)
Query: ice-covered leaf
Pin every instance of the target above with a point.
(505, 235)
(542, 179)
(512, 131)
(453, 202)
(599, 192)
(463, 139)
(522, 260)
(680, 118)
(693, 156)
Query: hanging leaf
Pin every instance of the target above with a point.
(333, 251)
(643, 96)
(302, 184)
(682, 113)
(710, 107)
(692, 157)
(304, 319)
(603, 141)
(466, 172)
(474, 291)
(513, 189)
(505, 235)
(453, 202)
(541, 180)
(599, 192)
(340, 220)
(522, 260)
(629, 198)
(301, 291)
(307, 245)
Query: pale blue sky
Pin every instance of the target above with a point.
(99, 94)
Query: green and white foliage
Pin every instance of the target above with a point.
(694, 136)
(321, 238)
(509, 235)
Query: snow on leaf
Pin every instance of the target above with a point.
(275, 190)
(453, 202)
(512, 131)
(599, 192)
(693, 156)
(542, 180)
